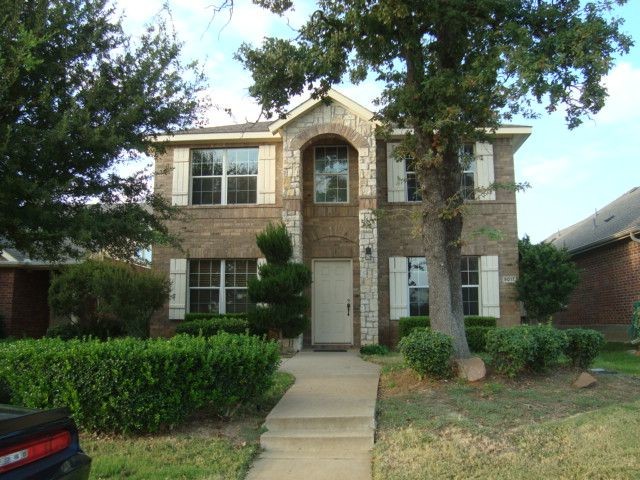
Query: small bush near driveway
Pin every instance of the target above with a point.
(130, 385)
(583, 346)
(428, 352)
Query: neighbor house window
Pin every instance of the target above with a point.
(413, 188)
(467, 182)
(419, 286)
(331, 169)
(224, 176)
(220, 286)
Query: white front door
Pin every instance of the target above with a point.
(332, 301)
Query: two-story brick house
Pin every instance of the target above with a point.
(324, 173)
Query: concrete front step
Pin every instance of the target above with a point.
(354, 468)
(326, 423)
(318, 441)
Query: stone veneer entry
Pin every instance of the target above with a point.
(360, 133)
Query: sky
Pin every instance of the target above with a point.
(572, 172)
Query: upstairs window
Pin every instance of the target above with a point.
(468, 179)
(331, 174)
(413, 188)
(224, 176)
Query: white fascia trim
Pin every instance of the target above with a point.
(206, 137)
(355, 107)
(520, 133)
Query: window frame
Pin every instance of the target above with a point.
(470, 169)
(470, 286)
(415, 287)
(462, 286)
(315, 174)
(222, 288)
(224, 188)
(407, 172)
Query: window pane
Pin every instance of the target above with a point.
(418, 301)
(418, 272)
(331, 174)
(237, 300)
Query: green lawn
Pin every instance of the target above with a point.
(530, 428)
(205, 447)
(615, 356)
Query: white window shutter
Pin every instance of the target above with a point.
(178, 299)
(267, 174)
(396, 176)
(398, 287)
(484, 169)
(490, 286)
(180, 185)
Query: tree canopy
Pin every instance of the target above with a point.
(452, 70)
(78, 97)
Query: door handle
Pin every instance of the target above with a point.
(348, 306)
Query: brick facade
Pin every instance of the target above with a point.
(340, 231)
(609, 285)
(23, 302)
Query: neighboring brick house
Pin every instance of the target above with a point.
(606, 249)
(24, 288)
(324, 173)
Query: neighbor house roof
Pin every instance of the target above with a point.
(617, 220)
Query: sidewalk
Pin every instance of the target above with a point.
(323, 427)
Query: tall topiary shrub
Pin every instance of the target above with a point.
(278, 291)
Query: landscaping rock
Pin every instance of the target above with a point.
(471, 369)
(585, 381)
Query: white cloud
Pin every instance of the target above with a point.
(623, 103)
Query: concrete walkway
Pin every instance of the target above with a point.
(323, 427)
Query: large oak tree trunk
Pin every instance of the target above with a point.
(441, 236)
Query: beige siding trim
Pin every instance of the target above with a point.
(484, 169)
(396, 176)
(266, 174)
(178, 299)
(180, 182)
(490, 286)
(398, 288)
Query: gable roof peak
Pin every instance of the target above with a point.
(310, 103)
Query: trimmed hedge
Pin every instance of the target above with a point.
(428, 352)
(188, 317)
(476, 328)
(407, 324)
(524, 347)
(477, 321)
(583, 346)
(213, 326)
(477, 338)
(131, 385)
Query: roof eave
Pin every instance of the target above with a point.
(209, 137)
(520, 134)
(604, 241)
